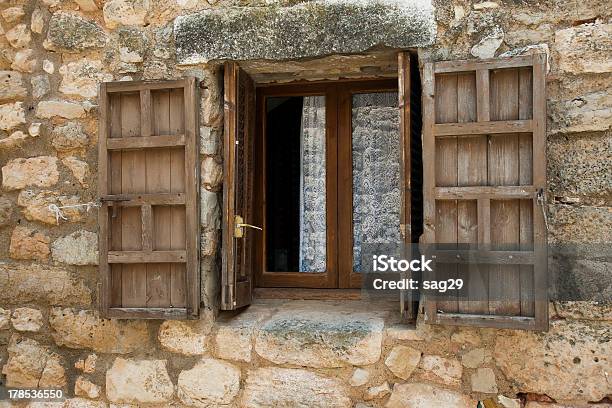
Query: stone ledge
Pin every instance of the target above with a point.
(310, 29)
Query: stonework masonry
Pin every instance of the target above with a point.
(53, 55)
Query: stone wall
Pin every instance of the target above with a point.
(53, 53)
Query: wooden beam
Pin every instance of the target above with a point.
(495, 321)
(147, 256)
(136, 86)
(137, 200)
(147, 227)
(486, 64)
(483, 128)
(477, 192)
(125, 143)
(147, 313)
(483, 104)
(497, 257)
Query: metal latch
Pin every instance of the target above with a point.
(239, 224)
(114, 199)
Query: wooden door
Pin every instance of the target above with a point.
(484, 182)
(238, 229)
(148, 182)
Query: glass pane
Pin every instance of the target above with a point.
(296, 233)
(376, 171)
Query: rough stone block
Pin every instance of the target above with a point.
(442, 370)
(306, 29)
(584, 48)
(210, 383)
(11, 115)
(26, 319)
(85, 388)
(234, 338)
(28, 244)
(64, 109)
(11, 86)
(36, 171)
(320, 339)
(41, 284)
(360, 377)
(125, 12)
(475, 358)
(71, 32)
(78, 168)
(82, 77)
(85, 329)
(417, 395)
(31, 365)
(483, 380)
(591, 112)
(36, 206)
(138, 381)
(78, 248)
(6, 211)
(571, 352)
(19, 36)
(184, 337)
(403, 360)
(286, 387)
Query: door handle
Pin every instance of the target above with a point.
(239, 224)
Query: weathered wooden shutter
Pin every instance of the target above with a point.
(484, 175)
(238, 234)
(148, 183)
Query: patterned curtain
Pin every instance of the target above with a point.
(313, 231)
(376, 171)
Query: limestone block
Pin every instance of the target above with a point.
(12, 14)
(466, 337)
(37, 22)
(40, 86)
(85, 329)
(82, 77)
(417, 395)
(19, 36)
(210, 383)
(36, 206)
(475, 358)
(288, 387)
(26, 319)
(184, 337)
(29, 244)
(36, 171)
(571, 352)
(69, 138)
(404, 332)
(11, 115)
(360, 377)
(125, 12)
(584, 224)
(591, 112)
(79, 169)
(132, 45)
(64, 109)
(34, 129)
(31, 365)
(41, 284)
(210, 211)
(24, 61)
(48, 67)
(209, 140)
(585, 48)
(211, 174)
(138, 381)
(87, 5)
(69, 32)
(11, 86)
(489, 44)
(442, 370)
(78, 248)
(85, 388)
(320, 339)
(87, 365)
(6, 211)
(377, 392)
(509, 402)
(233, 340)
(403, 360)
(483, 380)
(83, 403)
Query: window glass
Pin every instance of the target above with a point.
(296, 233)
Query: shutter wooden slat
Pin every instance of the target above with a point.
(484, 164)
(239, 126)
(149, 186)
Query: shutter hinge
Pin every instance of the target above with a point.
(541, 200)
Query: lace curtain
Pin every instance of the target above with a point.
(313, 230)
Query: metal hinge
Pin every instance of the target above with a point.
(541, 200)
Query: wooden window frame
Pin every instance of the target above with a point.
(190, 141)
(339, 194)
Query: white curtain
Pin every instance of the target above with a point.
(313, 230)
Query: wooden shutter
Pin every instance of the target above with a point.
(239, 128)
(484, 163)
(148, 183)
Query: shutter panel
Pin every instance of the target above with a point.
(239, 128)
(148, 183)
(484, 170)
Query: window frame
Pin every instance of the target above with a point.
(338, 94)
